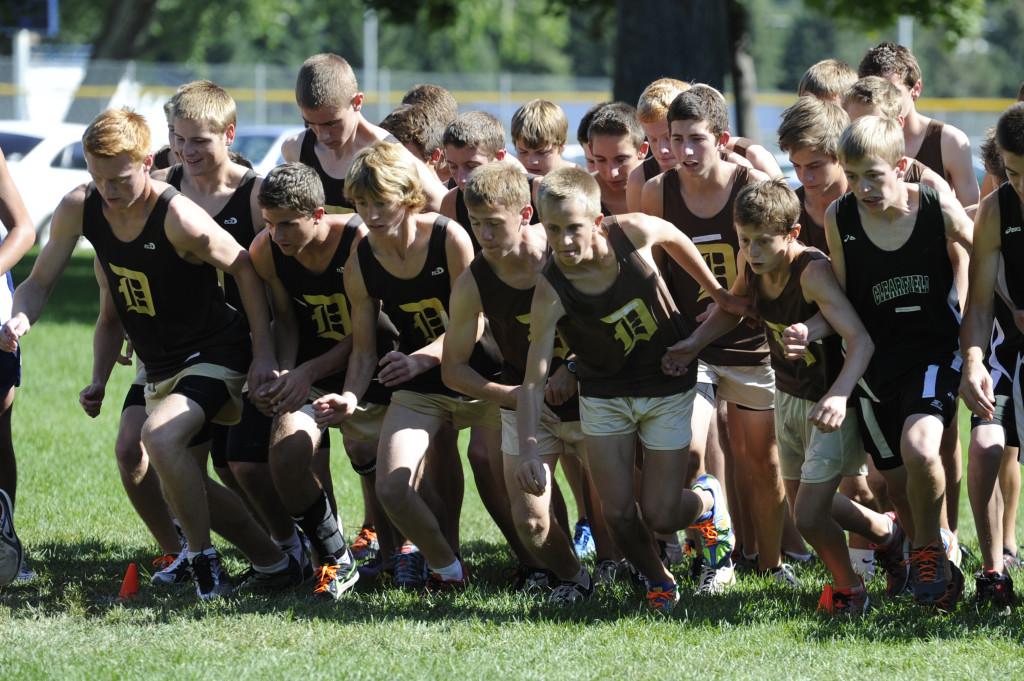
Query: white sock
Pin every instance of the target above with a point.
(272, 568)
(863, 561)
(452, 573)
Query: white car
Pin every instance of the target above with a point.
(46, 162)
(261, 144)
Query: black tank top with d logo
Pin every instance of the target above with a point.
(173, 310)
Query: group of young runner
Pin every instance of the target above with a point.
(701, 348)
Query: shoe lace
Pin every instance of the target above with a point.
(407, 568)
(165, 561)
(926, 562)
(707, 578)
(659, 597)
(363, 539)
(708, 531)
(564, 593)
(324, 578)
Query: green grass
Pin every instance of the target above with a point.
(81, 533)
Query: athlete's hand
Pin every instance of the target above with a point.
(332, 409)
(976, 389)
(397, 368)
(706, 313)
(289, 391)
(795, 341)
(91, 398)
(678, 358)
(124, 357)
(737, 306)
(560, 387)
(829, 413)
(532, 476)
(262, 370)
(12, 331)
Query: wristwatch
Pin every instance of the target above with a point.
(571, 366)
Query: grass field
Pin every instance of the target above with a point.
(81, 533)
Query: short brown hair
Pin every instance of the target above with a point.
(1010, 130)
(570, 184)
(477, 129)
(828, 79)
(436, 98)
(701, 103)
(205, 101)
(118, 131)
(294, 186)
(497, 184)
(990, 156)
(411, 125)
(876, 136)
(382, 172)
(325, 81)
(652, 107)
(540, 124)
(583, 130)
(767, 203)
(876, 91)
(812, 123)
(617, 119)
(889, 59)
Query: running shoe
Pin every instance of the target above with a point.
(607, 571)
(532, 579)
(209, 576)
(255, 581)
(934, 579)
(174, 569)
(715, 580)
(571, 593)
(662, 597)
(583, 540)
(889, 556)
(410, 568)
(784, 575)
(1010, 559)
(333, 580)
(25, 574)
(715, 526)
(437, 583)
(995, 589)
(952, 546)
(849, 602)
(12, 555)
(365, 546)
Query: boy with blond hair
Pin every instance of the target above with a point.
(601, 290)
(889, 246)
(652, 112)
(331, 104)
(539, 133)
(940, 146)
(195, 346)
(499, 284)
(828, 79)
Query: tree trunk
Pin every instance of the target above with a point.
(685, 39)
(744, 76)
(126, 23)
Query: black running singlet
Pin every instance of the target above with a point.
(906, 297)
(418, 307)
(174, 311)
(235, 217)
(334, 187)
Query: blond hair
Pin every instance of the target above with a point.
(872, 136)
(118, 131)
(876, 91)
(383, 174)
(570, 184)
(325, 81)
(814, 124)
(540, 124)
(652, 107)
(828, 79)
(767, 203)
(497, 184)
(205, 101)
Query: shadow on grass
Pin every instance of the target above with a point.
(82, 579)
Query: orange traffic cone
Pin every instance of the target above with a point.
(130, 583)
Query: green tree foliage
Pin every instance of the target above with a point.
(956, 17)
